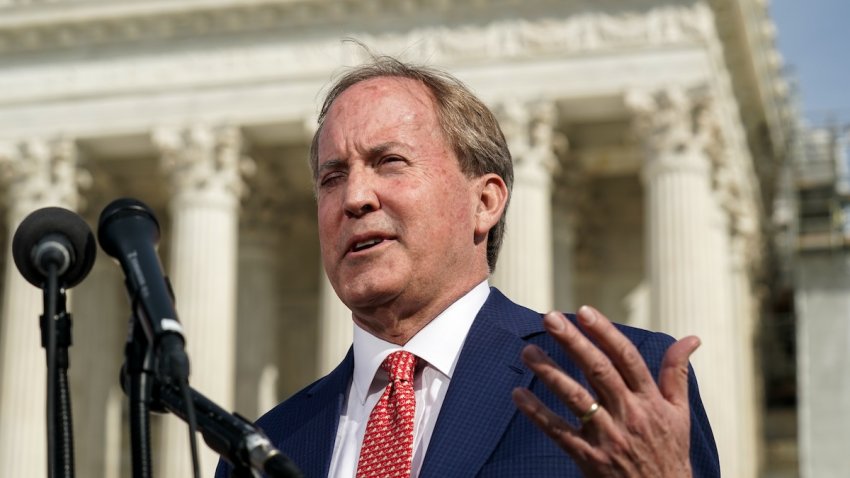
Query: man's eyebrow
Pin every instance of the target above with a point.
(372, 153)
(333, 165)
(382, 148)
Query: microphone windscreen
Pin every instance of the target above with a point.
(54, 220)
(117, 211)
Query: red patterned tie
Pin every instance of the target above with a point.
(387, 450)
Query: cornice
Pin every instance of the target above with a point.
(749, 43)
(573, 34)
(63, 24)
(70, 24)
(27, 26)
(273, 61)
(744, 28)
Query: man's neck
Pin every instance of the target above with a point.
(398, 321)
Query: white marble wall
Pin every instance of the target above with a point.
(823, 358)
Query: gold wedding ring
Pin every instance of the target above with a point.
(594, 407)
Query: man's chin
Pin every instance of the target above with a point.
(363, 296)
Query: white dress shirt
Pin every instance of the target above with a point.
(438, 347)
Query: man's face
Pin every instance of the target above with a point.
(397, 217)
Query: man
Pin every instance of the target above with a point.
(412, 178)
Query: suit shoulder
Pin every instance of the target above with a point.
(651, 345)
(288, 414)
(293, 412)
(646, 341)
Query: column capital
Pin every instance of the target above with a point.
(39, 172)
(277, 195)
(746, 241)
(530, 131)
(203, 161)
(678, 128)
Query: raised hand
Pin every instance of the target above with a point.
(631, 426)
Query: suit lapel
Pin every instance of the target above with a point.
(311, 445)
(478, 405)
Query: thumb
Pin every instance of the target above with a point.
(673, 378)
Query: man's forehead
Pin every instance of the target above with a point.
(392, 88)
(379, 106)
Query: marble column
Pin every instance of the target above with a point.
(570, 199)
(744, 253)
(101, 314)
(272, 276)
(34, 174)
(524, 270)
(335, 327)
(688, 250)
(564, 244)
(258, 317)
(113, 432)
(204, 166)
(258, 320)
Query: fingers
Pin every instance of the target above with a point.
(597, 367)
(673, 377)
(620, 350)
(567, 437)
(540, 414)
(572, 393)
(637, 426)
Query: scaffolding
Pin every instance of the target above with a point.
(822, 184)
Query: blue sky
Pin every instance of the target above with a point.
(814, 38)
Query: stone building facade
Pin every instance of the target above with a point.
(821, 285)
(646, 137)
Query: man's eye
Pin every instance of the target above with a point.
(391, 159)
(330, 179)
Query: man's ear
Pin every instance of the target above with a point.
(492, 200)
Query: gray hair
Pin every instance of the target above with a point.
(469, 127)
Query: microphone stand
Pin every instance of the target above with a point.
(56, 338)
(236, 439)
(233, 437)
(137, 381)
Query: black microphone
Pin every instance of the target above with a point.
(128, 231)
(54, 236)
(54, 249)
(233, 437)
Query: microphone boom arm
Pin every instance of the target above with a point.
(233, 437)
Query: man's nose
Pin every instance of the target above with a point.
(360, 194)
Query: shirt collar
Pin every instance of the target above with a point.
(438, 343)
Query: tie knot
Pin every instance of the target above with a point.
(400, 366)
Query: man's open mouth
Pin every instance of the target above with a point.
(363, 245)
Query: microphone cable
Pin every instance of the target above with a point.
(193, 426)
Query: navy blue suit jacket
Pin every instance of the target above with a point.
(479, 431)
